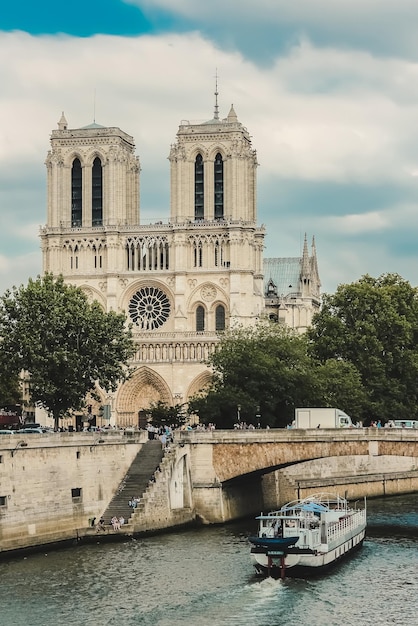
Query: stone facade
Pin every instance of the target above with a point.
(179, 282)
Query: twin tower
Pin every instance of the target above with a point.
(181, 282)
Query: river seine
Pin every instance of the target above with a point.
(204, 577)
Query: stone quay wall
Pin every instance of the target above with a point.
(51, 484)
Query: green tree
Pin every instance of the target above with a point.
(373, 324)
(10, 391)
(164, 415)
(266, 370)
(338, 384)
(67, 345)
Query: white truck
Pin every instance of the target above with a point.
(322, 418)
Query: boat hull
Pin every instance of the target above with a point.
(274, 543)
(303, 563)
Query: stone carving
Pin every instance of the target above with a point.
(208, 293)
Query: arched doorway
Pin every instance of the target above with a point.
(137, 394)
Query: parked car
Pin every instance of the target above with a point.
(7, 432)
(25, 431)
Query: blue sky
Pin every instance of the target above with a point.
(328, 89)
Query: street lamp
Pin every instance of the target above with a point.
(258, 416)
(20, 444)
(96, 442)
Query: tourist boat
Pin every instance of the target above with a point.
(306, 536)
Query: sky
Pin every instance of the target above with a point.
(328, 90)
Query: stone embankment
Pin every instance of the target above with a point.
(52, 485)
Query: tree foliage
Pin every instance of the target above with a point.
(264, 372)
(68, 345)
(373, 325)
(10, 392)
(164, 415)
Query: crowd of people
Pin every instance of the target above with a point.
(164, 433)
(115, 522)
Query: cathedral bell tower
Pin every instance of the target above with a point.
(93, 189)
(180, 282)
(213, 201)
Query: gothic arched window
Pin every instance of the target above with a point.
(76, 194)
(198, 254)
(198, 188)
(97, 193)
(200, 319)
(220, 317)
(219, 187)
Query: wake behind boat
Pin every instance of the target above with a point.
(306, 536)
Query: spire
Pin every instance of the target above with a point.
(232, 116)
(314, 251)
(314, 265)
(216, 115)
(62, 124)
(305, 259)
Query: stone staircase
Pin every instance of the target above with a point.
(136, 481)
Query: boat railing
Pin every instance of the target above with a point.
(266, 531)
(345, 524)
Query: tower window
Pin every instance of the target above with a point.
(198, 254)
(200, 319)
(76, 194)
(220, 317)
(198, 188)
(97, 193)
(219, 187)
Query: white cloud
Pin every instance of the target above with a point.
(355, 224)
(390, 219)
(148, 84)
(316, 114)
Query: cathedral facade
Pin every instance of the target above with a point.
(182, 282)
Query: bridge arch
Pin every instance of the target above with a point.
(180, 490)
(239, 473)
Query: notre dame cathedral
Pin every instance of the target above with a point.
(181, 281)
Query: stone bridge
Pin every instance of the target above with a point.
(238, 473)
(64, 479)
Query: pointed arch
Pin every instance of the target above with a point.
(199, 384)
(218, 187)
(220, 317)
(76, 193)
(138, 393)
(97, 193)
(199, 188)
(200, 318)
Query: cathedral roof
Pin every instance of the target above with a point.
(92, 125)
(285, 274)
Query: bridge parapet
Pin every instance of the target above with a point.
(221, 455)
(293, 435)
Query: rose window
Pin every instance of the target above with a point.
(149, 308)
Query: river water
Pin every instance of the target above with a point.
(204, 577)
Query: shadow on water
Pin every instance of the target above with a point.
(394, 517)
